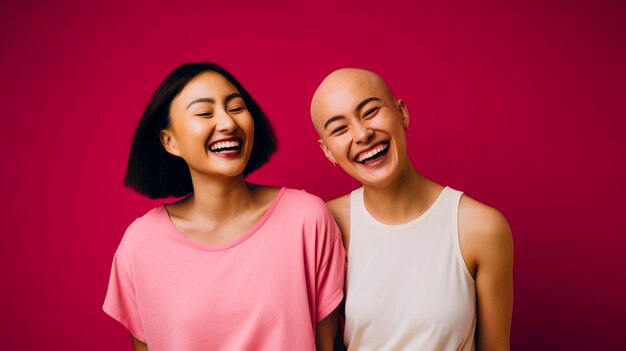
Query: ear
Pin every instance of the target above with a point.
(327, 152)
(404, 112)
(169, 142)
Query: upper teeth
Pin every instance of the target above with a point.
(224, 144)
(371, 152)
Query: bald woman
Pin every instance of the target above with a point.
(428, 267)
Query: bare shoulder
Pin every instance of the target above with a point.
(479, 219)
(340, 208)
(484, 233)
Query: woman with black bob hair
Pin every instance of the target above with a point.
(232, 265)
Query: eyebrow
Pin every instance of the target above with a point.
(232, 96)
(358, 107)
(364, 102)
(332, 119)
(212, 101)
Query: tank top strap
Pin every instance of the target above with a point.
(448, 202)
(357, 204)
(444, 215)
(448, 213)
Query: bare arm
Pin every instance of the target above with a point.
(340, 209)
(494, 288)
(138, 345)
(326, 331)
(486, 238)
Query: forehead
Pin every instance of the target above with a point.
(341, 95)
(205, 85)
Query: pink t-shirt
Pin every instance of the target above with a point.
(264, 291)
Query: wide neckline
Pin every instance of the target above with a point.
(405, 225)
(186, 240)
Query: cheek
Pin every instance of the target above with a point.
(246, 124)
(192, 127)
(383, 123)
(193, 133)
(339, 147)
(250, 138)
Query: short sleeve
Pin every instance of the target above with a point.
(120, 302)
(331, 273)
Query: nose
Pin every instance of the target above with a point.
(224, 122)
(362, 133)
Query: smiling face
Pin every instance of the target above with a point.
(361, 125)
(210, 127)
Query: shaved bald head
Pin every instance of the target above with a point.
(341, 87)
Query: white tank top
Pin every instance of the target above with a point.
(407, 285)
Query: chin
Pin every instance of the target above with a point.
(234, 173)
(379, 177)
(369, 179)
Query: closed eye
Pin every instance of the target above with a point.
(338, 130)
(236, 109)
(205, 114)
(372, 111)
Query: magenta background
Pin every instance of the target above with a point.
(521, 105)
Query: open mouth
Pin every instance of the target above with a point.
(373, 154)
(226, 146)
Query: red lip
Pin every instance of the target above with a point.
(227, 154)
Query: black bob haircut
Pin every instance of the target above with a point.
(154, 172)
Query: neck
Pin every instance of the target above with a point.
(219, 197)
(402, 199)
